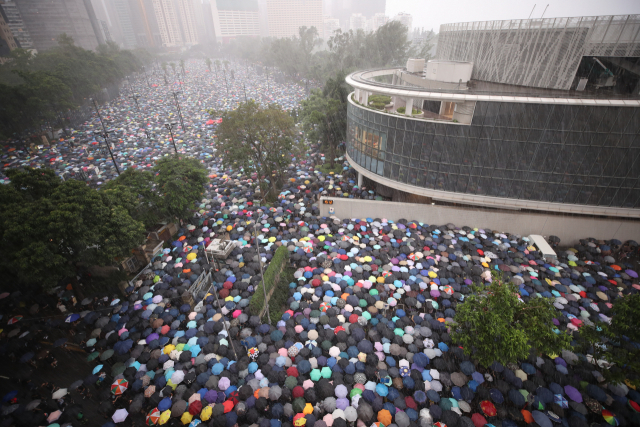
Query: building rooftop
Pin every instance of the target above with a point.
(382, 78)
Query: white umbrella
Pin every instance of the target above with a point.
(119, 416)
(177, 377)
(59, 394)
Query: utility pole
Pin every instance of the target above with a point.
(225, 80)
(105, 134)
(175, 96)
(170, 127)
(245, 92)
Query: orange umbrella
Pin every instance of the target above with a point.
(616, 267)
(384, 417)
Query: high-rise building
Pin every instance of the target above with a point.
(407, 20)
(378, 20)
(145, 23)
(343, 9)
(7, 42)
(187, 21)
(168, 22)
(357, 22)
(16, 24)
(47, 20)
(285, 17)
(330, 25)
(234, 18)
(204, 21)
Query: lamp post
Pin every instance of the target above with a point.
(105, 135)
(170, 126)
(225, 81)
(175, 96)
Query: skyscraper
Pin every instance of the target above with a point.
(285, 17)
(167, 18)
(47, 19)
(7, 42)
(187, 21)
(357, 22)
(330, 25)
(406, 19)
(16, 24)
(234, 18)
(343, 9)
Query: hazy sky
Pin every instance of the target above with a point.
(430, 14)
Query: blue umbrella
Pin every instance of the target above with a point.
(97, 369)
(72, 318)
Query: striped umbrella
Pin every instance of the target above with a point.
(119, 386)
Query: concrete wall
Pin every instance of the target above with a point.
(569, 228)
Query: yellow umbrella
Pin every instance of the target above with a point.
(169, 348)
(186, 418)
(206, 413)
(164, 417)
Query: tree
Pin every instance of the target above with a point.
(255, 139)
(324, 114)
(180, 183)
(182, 66)
(493, 324)
(208, 62)
(173, 67)
(51, 226)
(135, 190)
(617, 344)
(392, 44)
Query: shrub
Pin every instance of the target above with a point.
(384, 99)
(377, 105)
(493, 324)
(276, 270)
(401, 110)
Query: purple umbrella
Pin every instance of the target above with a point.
(152, 337)
(573, 393)
(211, 396)
(631, 273)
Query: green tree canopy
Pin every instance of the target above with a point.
(180, 183)
(617, 343)
(255, 139)
(50, 226)
(136, 191)
(493, 324)
(324, 114)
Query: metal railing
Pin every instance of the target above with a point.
(204, 281)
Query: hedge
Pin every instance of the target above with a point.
(401, 110)
(380, 98)
(272, 278)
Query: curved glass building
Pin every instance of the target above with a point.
(438, 131)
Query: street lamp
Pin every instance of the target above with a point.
(170, 126)
(264, 289)
(105, 135)
(175, 96)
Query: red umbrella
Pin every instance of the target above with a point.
(153, 416)
(488, 408)
(195, 407)
(478, 420)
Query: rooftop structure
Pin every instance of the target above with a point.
(437, 130)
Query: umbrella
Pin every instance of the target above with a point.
(119, 416)
(54, 416)
(153, 417)
(119, 386)
(59, 394)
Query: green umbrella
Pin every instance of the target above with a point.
(92, 356)
(290, 382)
(326, 372)
(315, 375)
(91, 342)
(117, 369)
(106, 354)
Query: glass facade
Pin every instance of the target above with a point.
(575, 154)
